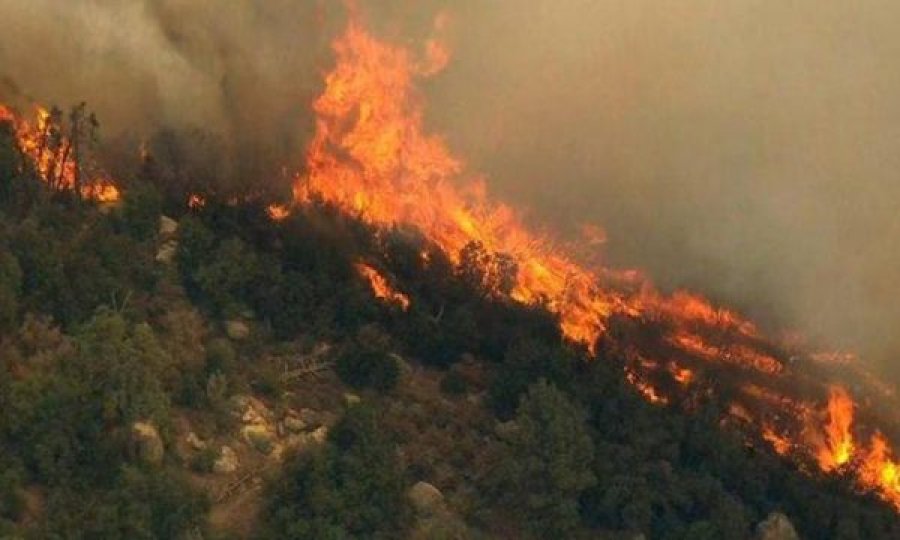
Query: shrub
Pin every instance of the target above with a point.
(547, 462)
(351, 488)
(453, 384)
(366, 363)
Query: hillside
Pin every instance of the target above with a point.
(221, 372)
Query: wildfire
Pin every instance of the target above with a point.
(873, 462)
(381, 287)
(54, 156)
(278, 212)
(839, 441)
(372, 157)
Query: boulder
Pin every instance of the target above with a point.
(776, 527)
(227, 462)
(237, 330)
(292, 424)
(167, 226)
(302, 441)
(167, 251)
(351, 399)
(426, 499)
(148, 444)
(506, 430)
(195, 442)
(319, 435)
(259, 436)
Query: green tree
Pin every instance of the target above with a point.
(10, 289)
(351, 488)
(366, 362)
(547, 462)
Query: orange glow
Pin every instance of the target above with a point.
(782, 445)
(646, 389)
(372, 157)
(380, 286)
(278, 212)
(838, 447)
(684, 376)
(195, 202)
(53, 157)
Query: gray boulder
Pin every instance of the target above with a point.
(227, 462)
(148, 444)
(426, 499)
(237, 330)
(776, 527)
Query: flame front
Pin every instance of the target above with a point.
(372, 157)
(53, 156)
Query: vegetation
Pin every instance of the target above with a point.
(351, 488)
(97, 336)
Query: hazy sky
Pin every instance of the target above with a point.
(744, 148)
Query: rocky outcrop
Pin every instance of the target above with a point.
(776, 527)
(237, 330)
(168, 229)
(148, 445)
(195, 442)
(433, 517)
(227, 462)
(426, 499)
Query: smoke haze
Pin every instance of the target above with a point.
(743, 149)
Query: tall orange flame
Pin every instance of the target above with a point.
(380, 286)
(839, 441)
(53, 158)
(372, 157)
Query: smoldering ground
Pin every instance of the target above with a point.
(743, 149)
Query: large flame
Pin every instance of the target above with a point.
(372, 157)
(53, 157)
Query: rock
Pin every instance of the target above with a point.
(446, 526)
(259, 436)
(319, 435)
(148, 444)
(195, 442)
(402, 364)
(302, 441)
(351, 399)
(167, 226)
(426, 499)
(776, 527)
(227, 462)
(167, 251)
(313, 418)
(505, 430)
(252, 411)
(237, 330)
(293, 424)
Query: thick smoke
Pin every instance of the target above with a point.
(748, 150)
(242, 72)
(744, 149)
